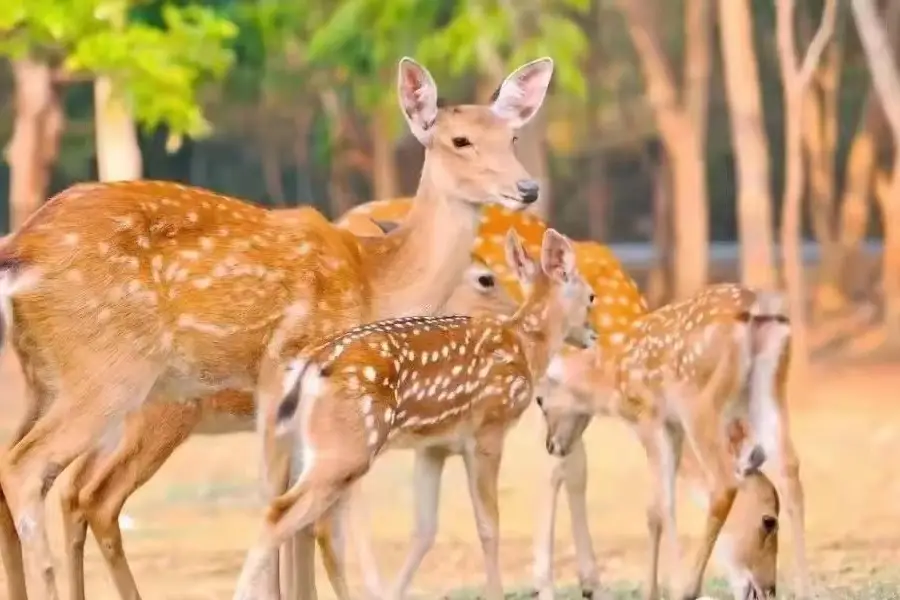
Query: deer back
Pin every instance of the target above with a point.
(166, 271)
(417, 378)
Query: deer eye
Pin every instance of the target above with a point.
(486, 281)
(461, 142)
(591, 299)
(515, 139)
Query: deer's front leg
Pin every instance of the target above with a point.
(545, 529)
(483, 471)
(429, 466)
(575, 477)
(663, 448)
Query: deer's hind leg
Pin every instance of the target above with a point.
(38, 397)
(81, 413)
(150, 437)
(663, 445)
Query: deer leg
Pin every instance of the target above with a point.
(662, 445)
(545, 530)
(356, 523)
(28, 471)
(11, 551)
(74, 522)
(39, 397)
(428, 468)
(151, 436)
(317, 489)
(483, 471)
(575, 479)
(721, 476)
(329, 537)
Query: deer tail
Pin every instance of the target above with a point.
(305, 377)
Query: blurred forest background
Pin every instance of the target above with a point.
(666, 128)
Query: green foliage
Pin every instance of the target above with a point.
(160, 68)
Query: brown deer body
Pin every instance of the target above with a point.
(440, 385)
(118, 292)
(96, 487)
(694, 370)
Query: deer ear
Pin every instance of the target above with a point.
(517, 258)
(557, 256)
(418, 98)
(522, 92)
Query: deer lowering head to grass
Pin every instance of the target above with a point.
(697, 370)
(439, 385)
(118, 292)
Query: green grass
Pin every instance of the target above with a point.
(716, 588)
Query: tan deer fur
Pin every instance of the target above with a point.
(693, 370)
(95, 490)
(117, 292)
(439, 385)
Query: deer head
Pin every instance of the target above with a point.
(747, 549)
(555, 292)
(469, 149)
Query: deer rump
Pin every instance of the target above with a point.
(759, 362)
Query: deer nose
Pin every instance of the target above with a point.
(528, 190)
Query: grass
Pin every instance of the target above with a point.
(717, 588)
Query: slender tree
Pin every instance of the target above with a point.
(681, 121)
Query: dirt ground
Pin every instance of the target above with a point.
(192, 524)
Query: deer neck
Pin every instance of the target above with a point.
(542, 334)
(415, 268)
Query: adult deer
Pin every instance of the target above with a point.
(96, 487)
(694, 370)
(440, 385)
(120, 292)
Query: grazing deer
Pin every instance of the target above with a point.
(440, 385)
(697, 370)
(118, 292)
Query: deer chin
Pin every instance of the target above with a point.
(513, 203)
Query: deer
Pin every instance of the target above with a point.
(153, 433)
(440, 385)
(711, 370)
(115, 294)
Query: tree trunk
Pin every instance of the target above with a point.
(34, 145)
(599, 197)
(886, 81)
(795, 79)
(858, 183)
(820, 131)
(854, 211)
(683, 142)
(751, 144)
(659, 280)
(118, 151)
(690, 217)
(384, 155)
(270, 161)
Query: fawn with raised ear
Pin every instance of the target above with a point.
(114, 293)
(699, 370)
(439, 385)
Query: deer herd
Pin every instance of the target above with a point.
(143, 312)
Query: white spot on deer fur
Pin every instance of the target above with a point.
(373, 438)
(103, 315)
(369, 373)
(103, 248)
(74, 275)
(71, 239)
(207, 243)
(202, 283)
